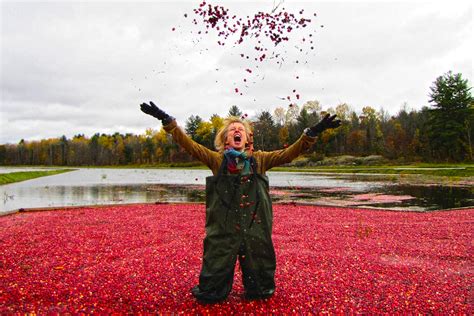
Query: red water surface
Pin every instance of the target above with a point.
(146, 258)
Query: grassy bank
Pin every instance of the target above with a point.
(12, 177)
(441, 170)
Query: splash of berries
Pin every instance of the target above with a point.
(263, 33)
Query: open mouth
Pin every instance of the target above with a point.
(237, 138)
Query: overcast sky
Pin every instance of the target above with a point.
(84, 67)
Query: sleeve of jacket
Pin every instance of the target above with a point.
(270, 159)
(206, 156)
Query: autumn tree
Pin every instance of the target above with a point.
(3, 154)
(341, 133)
(279, 115)
(216, 123)
(373, 133)
(206, 131)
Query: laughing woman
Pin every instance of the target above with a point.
(239, 214)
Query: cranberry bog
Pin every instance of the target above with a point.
(145, 258)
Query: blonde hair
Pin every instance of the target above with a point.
(220, 140)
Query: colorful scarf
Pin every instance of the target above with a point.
(237, 162)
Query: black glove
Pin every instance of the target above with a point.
(153, 110)
(327, 122)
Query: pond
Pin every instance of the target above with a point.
(93, 186)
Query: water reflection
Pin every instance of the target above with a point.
(434, 197)
(118, 186)
(49, 196)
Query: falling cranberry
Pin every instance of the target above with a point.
(262, 30)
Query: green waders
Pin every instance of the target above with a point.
(239, 221)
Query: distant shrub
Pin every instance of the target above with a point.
(373, 160)
(317, 159)
(300, 162)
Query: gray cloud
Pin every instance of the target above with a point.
(70, 68)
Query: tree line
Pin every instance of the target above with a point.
(442, 132)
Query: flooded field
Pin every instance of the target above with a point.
(117, 186)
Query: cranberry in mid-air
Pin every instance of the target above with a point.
(263, 31)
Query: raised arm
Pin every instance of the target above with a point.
(275, 158)
(210, 158)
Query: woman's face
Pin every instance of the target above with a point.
(236, 136)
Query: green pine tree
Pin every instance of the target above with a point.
(451, 118)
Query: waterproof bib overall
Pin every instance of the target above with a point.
(239, 220)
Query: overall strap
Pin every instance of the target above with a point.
(223, 167)
(253, 164)
(223, 171)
